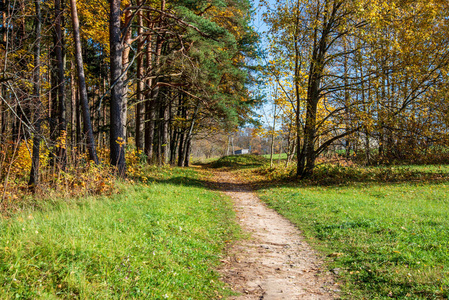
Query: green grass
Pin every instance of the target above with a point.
(433, 169)
(156, 241)
(240, 161)
(276, 156)
(330, 175)
(390, 239)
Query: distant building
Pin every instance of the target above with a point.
(241, 151)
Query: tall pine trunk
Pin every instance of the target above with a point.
(62, 123)
(82, 85)
(149, 103)
(126, 49)
(140, 82)
(117, 138)
(34, 173)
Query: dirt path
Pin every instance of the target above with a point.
(275, 262)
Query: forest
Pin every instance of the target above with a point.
(118, 83)
(100, 82)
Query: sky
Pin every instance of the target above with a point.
(261, 27)
(258, 23)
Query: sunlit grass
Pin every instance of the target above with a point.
(276, 156)
(240, 161)
(387, 230)
(155, 241)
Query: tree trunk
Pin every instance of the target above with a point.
(313, 91)
(188, 149)
(62, 124)
(53, 102)
(149, 103)
(182, 137)
(272, 133)
(300, 149)
(188, 137)
(78, 120)
(150, 115)
(309, 141)
(126, 48)
(181, 157)
(82, 85)
(117, 138)
(3, 108)
(34, 173)
(165, 140)
(73, 105)
(175, 132)
(155, 113)
(140, 82)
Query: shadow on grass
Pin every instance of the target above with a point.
(225, 186)
(256, 174)
(397, 288)
(253, 185)
(233, 162)
(337, 176)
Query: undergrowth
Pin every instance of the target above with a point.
(80, 178)
(330, 174)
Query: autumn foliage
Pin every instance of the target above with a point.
(365, 79)
(129, 83)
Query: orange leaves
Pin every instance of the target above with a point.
(61, 141)
(120, 141)
(134, 166)
(81, 177)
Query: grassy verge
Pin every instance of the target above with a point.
(386, 229)
(156, 241)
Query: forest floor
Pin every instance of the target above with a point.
(274, 261)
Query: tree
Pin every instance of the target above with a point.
(117, 138)
(34, 173)
(347, 54)
(62, 122)
(88, 131)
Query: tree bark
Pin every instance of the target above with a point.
(319, 50)
(272, 133)
(188, 137)
(3, 109)
(82, 85)
(62, 124)
(140, 82)
(126, 49)
(34, 173)
(165, 137)
(149, 103)
(117, 138)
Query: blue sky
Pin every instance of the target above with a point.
(258, 23)
(260, 26)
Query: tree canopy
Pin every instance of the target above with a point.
(366, 75)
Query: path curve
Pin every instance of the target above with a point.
(275, 262)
